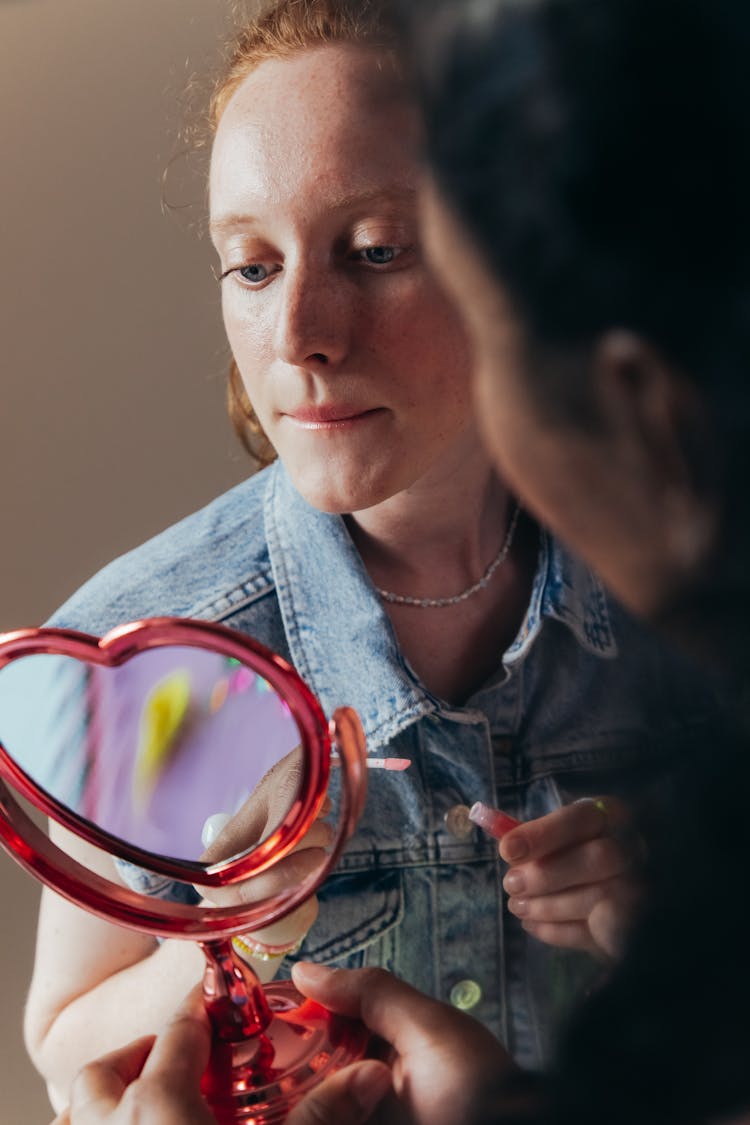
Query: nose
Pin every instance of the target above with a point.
(313, 324)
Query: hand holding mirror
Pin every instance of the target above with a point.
(192, 754)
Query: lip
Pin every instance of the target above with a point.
(331, 416)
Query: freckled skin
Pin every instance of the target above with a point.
(319, 151)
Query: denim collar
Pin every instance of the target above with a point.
(565, 590)
(341, 640)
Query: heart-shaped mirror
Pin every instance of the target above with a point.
(188, 751)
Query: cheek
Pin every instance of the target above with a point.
(502, 422)
(513, 447)
(249, 336)
(499, 436)
(546, 468)
(520, 446)
(428, 336)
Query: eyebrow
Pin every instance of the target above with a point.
(231, 222)
(346, 201)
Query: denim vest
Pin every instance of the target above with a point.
(584, 701)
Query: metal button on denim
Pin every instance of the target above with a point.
(457, 822)
(465, 995)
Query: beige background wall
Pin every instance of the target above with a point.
(112, 416)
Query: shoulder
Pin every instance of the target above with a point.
(189, 570)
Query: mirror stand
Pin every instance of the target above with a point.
(271, 1044)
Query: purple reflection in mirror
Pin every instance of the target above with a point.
(148, 750)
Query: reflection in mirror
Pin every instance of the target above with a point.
(180, 751)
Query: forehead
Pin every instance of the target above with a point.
(326, 123)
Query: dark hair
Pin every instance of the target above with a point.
(598, 153)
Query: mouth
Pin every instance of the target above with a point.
(331, 416)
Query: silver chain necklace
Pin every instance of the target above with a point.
(440, 603)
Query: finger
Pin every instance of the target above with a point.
(611, 919)
(287, 874)
(564, 935)
(592, 862)
(98, 1088)
(568, 906)
(319, 835)
(180, 1053)
(263, 811)
(366, 994)
(562, 828)
(282, 784)
(292, 928)
(398, 1013)
(606, 910)
(348, 1097)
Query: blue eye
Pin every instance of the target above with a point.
(254, 273)
(379, 255)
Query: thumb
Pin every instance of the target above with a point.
(180, 1053)
(348, 1097)
(394, 1010)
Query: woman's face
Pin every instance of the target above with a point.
(599, 490)
(353, 358)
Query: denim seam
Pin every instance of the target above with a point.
(222, 607)
(383, 861)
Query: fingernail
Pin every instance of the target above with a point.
(494, 822)
(370, 1083)
(518, 906)
(514, 882)
(308, 972)
(213, 827)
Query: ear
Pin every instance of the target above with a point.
(649, 407)
(659, 427)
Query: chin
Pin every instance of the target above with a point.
(339, 490)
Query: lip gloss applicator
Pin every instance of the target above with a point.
(378, 763)
(494, 822)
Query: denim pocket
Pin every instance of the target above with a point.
(356, 911)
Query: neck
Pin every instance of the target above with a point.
(435, 540)
(438, 536)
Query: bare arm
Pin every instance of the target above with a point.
(96, 986)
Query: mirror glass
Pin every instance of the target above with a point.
(180, 751)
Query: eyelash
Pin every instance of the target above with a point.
(357, 256)
(246, 281)
(397, 252)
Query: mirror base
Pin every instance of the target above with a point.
(256, 1082)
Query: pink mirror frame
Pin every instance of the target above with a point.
(38, 854)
